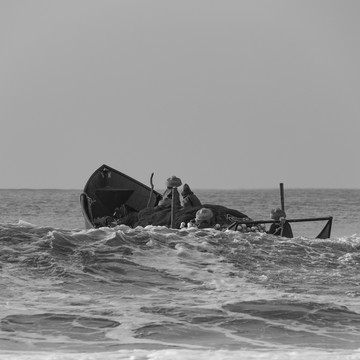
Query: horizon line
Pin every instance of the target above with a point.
(202, 189)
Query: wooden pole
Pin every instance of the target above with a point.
(173, 207)
(282, 205)
(255, 222)
(282, 196)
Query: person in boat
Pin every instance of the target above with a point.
(189, 198)
(204, 218)
(172, 183)
(280, 216)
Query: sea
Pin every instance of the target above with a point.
(154, 293)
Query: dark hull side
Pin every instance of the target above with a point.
(108, 189)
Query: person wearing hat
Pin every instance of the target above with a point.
(171, 183)
(189, 198)
(204, 218)
(277, 215)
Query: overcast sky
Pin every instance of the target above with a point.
(223, 94)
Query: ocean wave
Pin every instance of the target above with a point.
(160, 246)
(188, 354)
(223, 287)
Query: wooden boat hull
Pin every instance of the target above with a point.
(108, 189)
(109, 193)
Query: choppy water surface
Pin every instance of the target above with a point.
(157, 293)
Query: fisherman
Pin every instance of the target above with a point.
(189, 198)
(280, 216)
(204, 218)
(172, 183)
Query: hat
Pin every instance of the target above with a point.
(173, 181)
(278, 213)
(204, 214)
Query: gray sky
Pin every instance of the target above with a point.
(223, 94)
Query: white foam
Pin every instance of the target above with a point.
(176, 354)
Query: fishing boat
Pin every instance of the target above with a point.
(111, 198)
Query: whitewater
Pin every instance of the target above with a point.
(159, 293)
